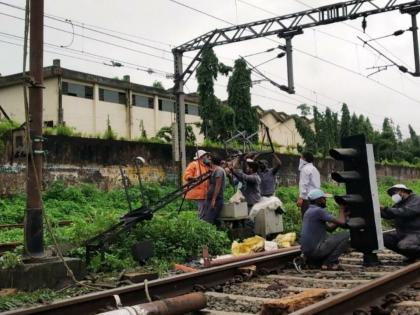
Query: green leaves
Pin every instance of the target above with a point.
(239, 98)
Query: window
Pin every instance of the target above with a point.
(78, 90)
(191, 109)
(143, 101)
(166, 105)
(112, 96)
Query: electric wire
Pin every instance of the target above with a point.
(95, 28)
(95, 39)
(61, 18)
(232, 24)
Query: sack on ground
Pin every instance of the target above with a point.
(249, 245)
(285, 240)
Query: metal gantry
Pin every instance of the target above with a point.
(285, 26)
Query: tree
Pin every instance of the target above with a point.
(414, 137)
(307, 134)
(354, 125)
(239, 98)
(206, 74)
(387, 142)
(345, 121)
(216, 118)
(158, 85)
(305, 110)
(226, 119)
(165, 134)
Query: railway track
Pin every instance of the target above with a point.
(246, 287)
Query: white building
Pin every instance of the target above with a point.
(282, 128)
(86, 102)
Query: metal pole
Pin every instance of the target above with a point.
(180, 112)
(34, 217)
(289, 52)
(415, 43)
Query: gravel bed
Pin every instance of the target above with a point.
(232, 305)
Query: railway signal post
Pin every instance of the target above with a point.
(361, 199)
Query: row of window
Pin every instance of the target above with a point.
(79, 90)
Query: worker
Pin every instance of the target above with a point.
(268, 176)
(215, 194)
(405, 212)
(309, 179)
(316, 245)
(251, 182)
(199, 166)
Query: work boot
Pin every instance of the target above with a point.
(370, 260)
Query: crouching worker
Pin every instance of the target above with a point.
(214, 201)
(317, 246)
(405, 240)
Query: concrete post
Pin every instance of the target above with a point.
(180, 112)
(34, 232)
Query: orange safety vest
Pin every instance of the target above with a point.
(193, 170)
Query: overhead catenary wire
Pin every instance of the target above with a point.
(96, 39)
(97, 29)
(333, 64)
(309, 89)
(83, 24)
(104, 58)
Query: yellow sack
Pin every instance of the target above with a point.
(285, 240)
(249, 245)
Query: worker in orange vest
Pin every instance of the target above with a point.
(198, 167)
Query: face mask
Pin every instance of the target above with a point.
(322, 204)
(302, 163)
(396, 198)
(206, 161)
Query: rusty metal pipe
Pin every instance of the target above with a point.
(173, 306)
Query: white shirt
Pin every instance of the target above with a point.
(309, 179)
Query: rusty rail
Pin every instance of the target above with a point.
(365, 295)
(161, 288)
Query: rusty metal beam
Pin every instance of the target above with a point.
(162, 288)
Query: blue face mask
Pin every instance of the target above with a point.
(206, 161)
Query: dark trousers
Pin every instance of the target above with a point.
(211, 215)
(304, 207)
(404, 244)
(330, 249)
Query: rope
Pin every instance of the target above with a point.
(146, 289)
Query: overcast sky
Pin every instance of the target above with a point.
(154, 27)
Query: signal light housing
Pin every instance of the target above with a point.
(361, 199)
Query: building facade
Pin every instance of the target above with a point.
(89, 103)
(282, 129)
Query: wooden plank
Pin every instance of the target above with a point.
(293, 302)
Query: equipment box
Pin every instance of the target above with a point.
(234, 210)
(268, 222)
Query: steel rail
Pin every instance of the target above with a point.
(365, 295)
(162, 288)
